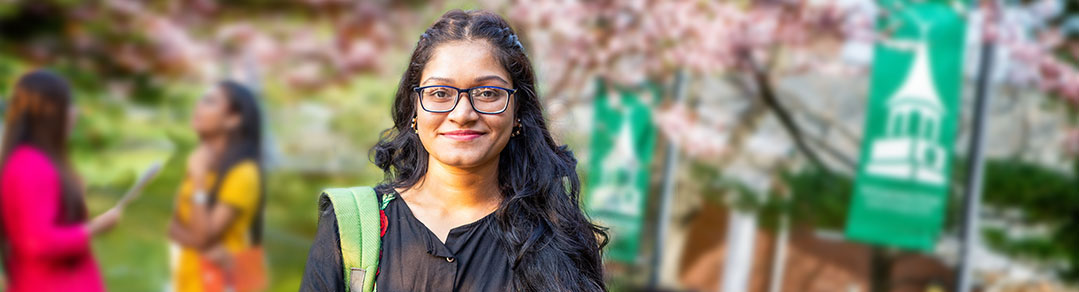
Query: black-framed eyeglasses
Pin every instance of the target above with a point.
(484, 99)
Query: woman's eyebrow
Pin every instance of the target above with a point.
(440, 79)
(491, 77)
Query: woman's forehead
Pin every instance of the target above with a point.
(463, 63)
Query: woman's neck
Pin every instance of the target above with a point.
(216, 144)
(453, 188)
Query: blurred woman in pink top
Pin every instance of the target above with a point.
(44, 232)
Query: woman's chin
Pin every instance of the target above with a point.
(463, 160)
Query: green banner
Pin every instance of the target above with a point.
(901, 190)
(623, 139)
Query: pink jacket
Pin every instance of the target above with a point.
(43, 255)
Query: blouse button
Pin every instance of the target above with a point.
(449, 259)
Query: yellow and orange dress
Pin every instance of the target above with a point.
(240, 190)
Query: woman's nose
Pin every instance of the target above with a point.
(463, 113)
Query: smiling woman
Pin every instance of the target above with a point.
(488, 200)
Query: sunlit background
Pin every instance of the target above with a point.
(765, 103)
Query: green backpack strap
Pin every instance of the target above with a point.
(357, 211)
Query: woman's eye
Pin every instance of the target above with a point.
(438, 93)
(487, 94)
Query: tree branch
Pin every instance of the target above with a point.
(767, 94)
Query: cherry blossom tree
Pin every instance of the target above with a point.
(309, 44)
(749, 43)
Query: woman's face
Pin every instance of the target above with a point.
(463, 137)
(212, 115)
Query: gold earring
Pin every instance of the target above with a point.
(516, 129)
(414, 128)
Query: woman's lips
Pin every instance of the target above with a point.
(463, 135)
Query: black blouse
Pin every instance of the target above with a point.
(413, 259)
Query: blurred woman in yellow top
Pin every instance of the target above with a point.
(218, 218)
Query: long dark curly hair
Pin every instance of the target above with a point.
(553, 245)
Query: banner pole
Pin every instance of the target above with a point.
(670, 165)
(975, 163)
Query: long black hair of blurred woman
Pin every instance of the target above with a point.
(38, 116)
(554, 245)
(245, 143)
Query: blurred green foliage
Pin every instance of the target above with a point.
(1039, 207)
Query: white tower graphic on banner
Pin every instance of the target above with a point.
(617, 190)
(910, 148)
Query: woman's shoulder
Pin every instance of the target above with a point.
(28, 162)
(27, 169)
(385, 194)
(247, 169)
(241, 185)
